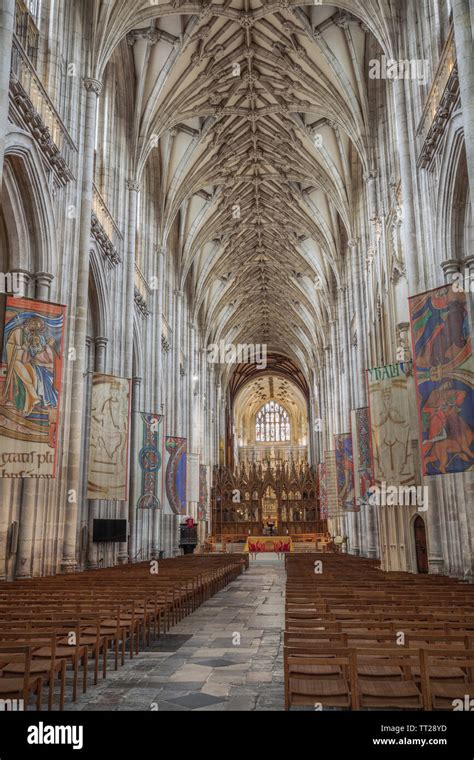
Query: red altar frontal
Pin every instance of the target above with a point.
(277, 544)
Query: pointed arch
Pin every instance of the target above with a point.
(28, 207)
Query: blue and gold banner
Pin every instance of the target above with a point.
(150, 460)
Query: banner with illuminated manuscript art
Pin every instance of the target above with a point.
(444, 374)
(363, 473)
(390, 425)
(329, 503)
(176, 467)
(203, 492)
(150, 460)
(30, 386)
(345, 472)
(108, 446)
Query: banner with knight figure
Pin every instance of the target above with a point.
(363, 474)
(30, 386)
(390, 425)
(345, 472)
(444, 374)
(150, 429)
(109, 434)
(176, 474)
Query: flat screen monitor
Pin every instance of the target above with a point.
(109, 530)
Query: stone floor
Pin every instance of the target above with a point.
(228, 655)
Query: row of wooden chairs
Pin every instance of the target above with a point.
(357, 638)
(49, 626)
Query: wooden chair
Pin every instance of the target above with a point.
(440, 694)
(327, 679)
(22, 686)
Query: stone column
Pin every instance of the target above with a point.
(7, 22)
(323, 411)
(408, 224)
(159, 395)
(23, 280)
(192, 432)
(178, 417)
(136, 541)
(100, 345)
(329, 413)
(361, 350)
(133, 192)
(333, 369)
(43, 285)
(93, 89)
(450, 268)
(463, 39)
(346, 337)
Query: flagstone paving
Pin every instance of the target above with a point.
(227, 655)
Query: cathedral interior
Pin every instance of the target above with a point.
(236, 242)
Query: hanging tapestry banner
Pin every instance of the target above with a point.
(363, 474)
(330, 505)
(203, 492)
(150, 431)
(30, 386)
(193, 477)
(345, 472)
(390, 425)
(176, 467)
(323, 494)
(108, 447)
(444, 374)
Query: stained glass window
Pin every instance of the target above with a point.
(272, 423)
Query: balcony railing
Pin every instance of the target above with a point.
(39, 115)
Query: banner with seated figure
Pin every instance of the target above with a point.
(444, 373)
(108, 446)
(30, 387)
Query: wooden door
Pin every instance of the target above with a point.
(420, 545)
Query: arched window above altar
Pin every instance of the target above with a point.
(272, 424)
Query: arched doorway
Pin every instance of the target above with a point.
(420, 545)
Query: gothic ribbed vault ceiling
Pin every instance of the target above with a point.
(253, 117)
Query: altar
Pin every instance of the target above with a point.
(276, 544)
